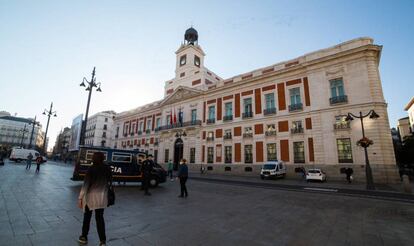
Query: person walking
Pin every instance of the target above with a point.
(39, 161)
(29, 161)
(147, 167)
(183, 175)
(170, 170)
(93, 196)
(349, 173)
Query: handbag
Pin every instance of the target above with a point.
(111, 195)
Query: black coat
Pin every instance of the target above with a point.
(147, 167)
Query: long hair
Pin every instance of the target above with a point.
(98, 174)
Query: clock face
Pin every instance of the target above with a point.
(183, 59)
(197, 61)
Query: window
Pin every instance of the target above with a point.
(158, 122)
(247, 102)
(271, 152)
(168, 120)
(299, 152)
(344, 150)
(166, 155)
(297, 124)
(337, 87)
(197, 61)
(149, 124)
(183, 60)
(193, 115)
(270, 101)
(248, 153)
(192, 155)
(227, 154)
(295, 96)
(341, 123)
(270, 130)
(210, 154)
(248, 129)
(210, 136)
(228, 109)
(211, 112)
(141, 126)
(227, 134)
(106, 119)
(121, 157)
(104, 134)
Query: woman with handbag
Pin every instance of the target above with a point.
(94, 197)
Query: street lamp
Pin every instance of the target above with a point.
(33, 123)
(48, 113)
(89, 86)
(24, 131)
(365, 143)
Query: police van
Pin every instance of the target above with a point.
(125, 165)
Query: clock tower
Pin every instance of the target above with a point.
(189, 69)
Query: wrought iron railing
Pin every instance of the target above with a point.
(338, 99)
(296, 130)
(295, 107)
(269, 111)
(247, 115)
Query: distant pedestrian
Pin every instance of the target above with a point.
(94, 197)
(183, 176)
(29, 161)
(349, 173)
(39, 161)
(147, 167)
(170, 169)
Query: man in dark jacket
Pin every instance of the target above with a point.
(183, 175)
(147, 167)
(349, 173)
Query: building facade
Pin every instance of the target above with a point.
(99, 129)
(61, 148)
(292, 111)
(410, 110)
(404, 128)
(19, 131)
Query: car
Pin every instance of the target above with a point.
(315, 174)
(273, 169)
(124, 164)
(20, 154)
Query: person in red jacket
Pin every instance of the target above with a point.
(39, 161)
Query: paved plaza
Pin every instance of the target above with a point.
(40, 209)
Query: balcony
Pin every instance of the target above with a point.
(248, 135)
(247, 115)
(146, 144)
(148, 131)
(269, 111)
(270, 133)
(125, 134)
(342, 126)
(116, 136)
(132, 134)
(155, 143)
(180, 125)
(338, 100)
(139, 133)
(210, 138)
(211, 121)
(295, 107)
(296, 130)
(227, 136)
(228, 118)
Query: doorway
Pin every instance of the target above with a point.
(178, 152)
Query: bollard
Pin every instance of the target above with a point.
(406, 183)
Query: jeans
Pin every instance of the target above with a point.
(29, 164)
(100, 223)
(183, 180)
(170, 173)
(38, 167)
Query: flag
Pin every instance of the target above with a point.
(180, 117)
(171, 118)
(175, 117)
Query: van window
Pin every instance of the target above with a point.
(87, 158)
(269, 166)
(313, 171)
(121, 157)
(281, 165)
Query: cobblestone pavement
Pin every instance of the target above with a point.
(40, 209)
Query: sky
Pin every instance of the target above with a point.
(48, 47)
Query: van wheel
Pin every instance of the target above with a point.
(153, 182)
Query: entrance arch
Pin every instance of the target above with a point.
(178, 152)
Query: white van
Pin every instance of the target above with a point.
(20, 154)
(273, 169)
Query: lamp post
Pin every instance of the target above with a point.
(89, 86)
(33, 123)
(48, 113)
(365, 143)
(24, 131)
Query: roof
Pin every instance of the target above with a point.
(18, 119)
(408, 106)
